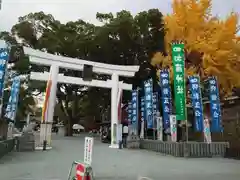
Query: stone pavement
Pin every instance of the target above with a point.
(111, 164)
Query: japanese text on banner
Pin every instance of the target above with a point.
(129, 110)
(155, 107)
(178, 58)
(148, 103)
(215, 105)
(13, 100)
(142, 109)
(155, 103)
(135, 109)
(196, 102)
(4, 55)
(166, 97)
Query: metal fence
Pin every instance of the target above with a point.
(6, 146)
(186, 149)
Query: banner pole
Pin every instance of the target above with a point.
(185, 82)
(186, 126)
(186, 115)
(154, 138)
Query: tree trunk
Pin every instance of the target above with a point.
(3, 130)
(68, 128)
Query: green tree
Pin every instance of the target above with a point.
(121, 39)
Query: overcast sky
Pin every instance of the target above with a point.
(70, 10)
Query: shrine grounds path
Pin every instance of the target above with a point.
(111, 164)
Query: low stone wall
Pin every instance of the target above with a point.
(6, 146)
(133, 142)
(186, 149)
(233, 152)
(26, 142)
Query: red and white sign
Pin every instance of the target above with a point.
(88, 148)
(81, 172)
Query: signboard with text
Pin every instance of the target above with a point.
(178, 58)
(4, 55)
(155, 108)
(173, 128)
(148, 88)
(88, 150)
(11, 109)
(166, 97)
(194, 82)
(135, 111)
(214, 105)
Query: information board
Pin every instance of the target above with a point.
(88, 148)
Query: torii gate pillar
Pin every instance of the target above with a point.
(114, 112)
(46, 127)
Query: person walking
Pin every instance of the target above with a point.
(56, 130)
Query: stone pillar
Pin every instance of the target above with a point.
(114, 111)
(120, 127)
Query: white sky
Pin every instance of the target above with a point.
(70, 10)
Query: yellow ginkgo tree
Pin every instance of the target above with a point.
(212, 47)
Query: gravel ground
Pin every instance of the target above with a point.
(111, 164)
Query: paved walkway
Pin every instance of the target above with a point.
(111, 164)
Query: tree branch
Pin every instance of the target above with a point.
(36, 94)
(63, 108)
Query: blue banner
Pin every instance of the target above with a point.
(196, 98)
(155, 107)
(11, 109)
(4, 55)
(148, 88)
(142, 109)
(129, 110)
(214, 105)
(135, 109)
(166, 97)
(155, 103)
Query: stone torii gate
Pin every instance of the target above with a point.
(55, 62)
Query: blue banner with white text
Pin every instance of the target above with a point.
(11, 109)
(155, 107)
(129, 110)
(196, 98)
(155, 103)
(135, 109)
(166, 97)
(148, 89)
(4, 55)
(142, 109)
(214, 105)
